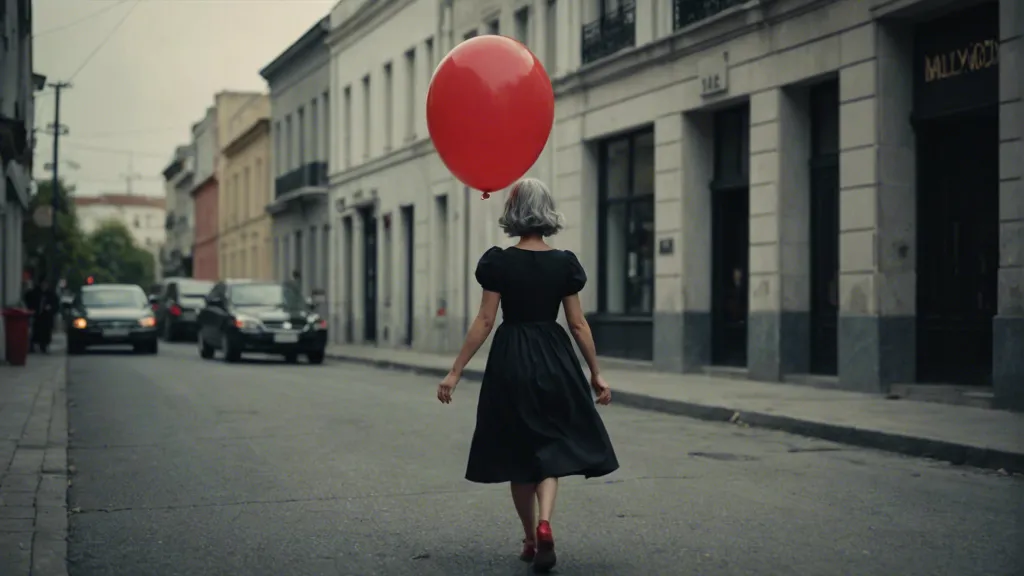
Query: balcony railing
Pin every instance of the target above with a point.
(613, 31)
(309, 175)
(686, 12)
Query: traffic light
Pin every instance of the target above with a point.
(89, 280)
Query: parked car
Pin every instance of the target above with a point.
(103, 314)
(259, 316)
(176, 306)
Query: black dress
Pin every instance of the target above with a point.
(536, 416)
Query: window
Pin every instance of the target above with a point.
(277, 148)
(259, 191)
(494, 27)
(366, 116)
(523, 26)
(470, 34)
(410, 94)
(428, 54)
(314, 140)
(326, 151)
(288, 143)
(389, 255)
(551, 36)
(389, 107)
(247, 195)
(301, 121)
(626, 225)
(347, 123)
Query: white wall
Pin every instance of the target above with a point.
(207, 147)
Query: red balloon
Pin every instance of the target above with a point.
(490, 108)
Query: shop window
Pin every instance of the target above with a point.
(626, 227)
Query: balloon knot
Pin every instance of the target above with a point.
(485, 196)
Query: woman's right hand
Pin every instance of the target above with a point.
(602, 389)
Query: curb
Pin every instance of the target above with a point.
(959, 454)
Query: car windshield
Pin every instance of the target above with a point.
(113, 298)
(194, 288)
(266, 295)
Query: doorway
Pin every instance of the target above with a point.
(824, 100)
(408, 233)
(730, 237)
(958, 245)
(347, 278)
(370, 274)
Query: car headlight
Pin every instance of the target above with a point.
(79, 323)
(147, 321)
(247, 323)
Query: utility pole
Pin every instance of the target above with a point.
(57, 130)
(132, 175)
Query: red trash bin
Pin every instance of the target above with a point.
(16, 324)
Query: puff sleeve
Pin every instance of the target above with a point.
(576, 277)
(488, 270)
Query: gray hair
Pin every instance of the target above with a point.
(530, 209)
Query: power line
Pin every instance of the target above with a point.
(105, 40)
(124, 151)
(88, 16)
(126, 132)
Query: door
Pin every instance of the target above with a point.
(730, 237)
(958, 246)
(408, 230)
(370, 275)
(824, 228)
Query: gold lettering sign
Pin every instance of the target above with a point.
(971, 58)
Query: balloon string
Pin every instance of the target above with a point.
(485, 196)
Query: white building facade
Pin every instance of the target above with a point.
(18, 85)
(143, 216)
(783, 189)
(179, 179)
(300, 103)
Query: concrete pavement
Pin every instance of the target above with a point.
(195, 467)
(958, 434)
(33, 465)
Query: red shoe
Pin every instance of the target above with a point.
(529, 551)
(544, 560)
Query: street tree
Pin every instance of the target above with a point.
(73, 255)
(117, 258)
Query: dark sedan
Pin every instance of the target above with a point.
(263, 317)
(104, 314)
(177, 306)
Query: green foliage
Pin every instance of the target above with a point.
(73, 252)
(117, 258)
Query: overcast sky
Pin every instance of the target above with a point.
(139, 85)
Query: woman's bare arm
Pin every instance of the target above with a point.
(478, 331)
(581, 331)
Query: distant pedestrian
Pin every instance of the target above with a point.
(43, 303)
(536, 420)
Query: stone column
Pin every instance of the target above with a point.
(1008, 325)
(779, 322)
(645, 22)
(877, 213)
(683, 168)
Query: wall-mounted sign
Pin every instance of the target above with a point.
(713, 74)
(956, 62)
(665, 246)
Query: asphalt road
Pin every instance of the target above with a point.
(193, 467)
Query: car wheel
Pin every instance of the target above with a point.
(74, 348)
(316, 357)
(291, 357)
(231, 354)
(205, 350)
(154, 347)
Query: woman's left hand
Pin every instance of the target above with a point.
(447, 387)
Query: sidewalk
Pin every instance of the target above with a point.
(33, 465)
(958, 434)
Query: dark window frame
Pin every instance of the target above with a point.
(630, 200)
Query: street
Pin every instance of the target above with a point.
(184, 466)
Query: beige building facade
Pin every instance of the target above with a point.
(245, 190)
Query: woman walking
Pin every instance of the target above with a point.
(536, 420)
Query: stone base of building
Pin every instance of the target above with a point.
(1008, 362)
